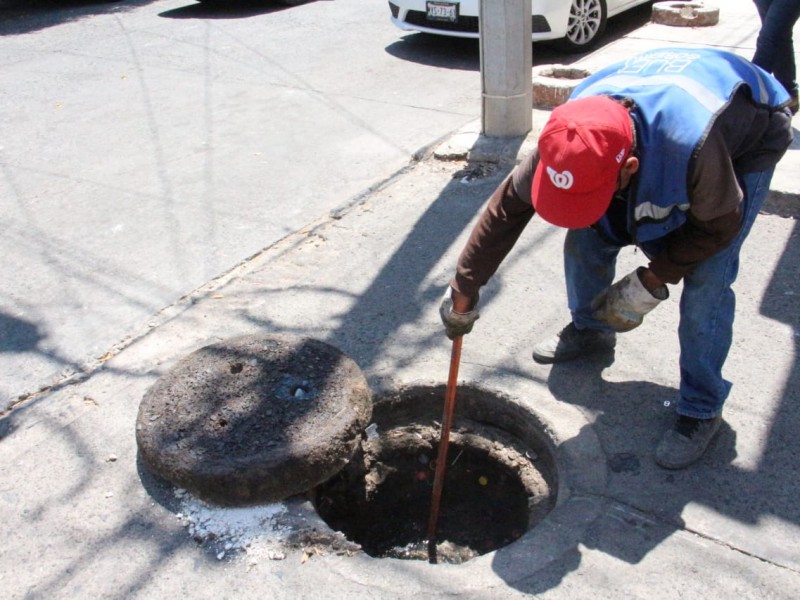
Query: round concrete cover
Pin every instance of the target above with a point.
(254, 419)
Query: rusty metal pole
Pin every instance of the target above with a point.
(444, 442)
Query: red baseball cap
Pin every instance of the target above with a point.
(581, 150)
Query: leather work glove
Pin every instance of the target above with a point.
(624, 304)
(456, 323)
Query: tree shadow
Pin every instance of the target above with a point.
(366, 326)
(18, 335)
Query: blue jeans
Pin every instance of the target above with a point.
(706, 306)
(774, 47)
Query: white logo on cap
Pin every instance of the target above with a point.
(562, 180)
(620, 156)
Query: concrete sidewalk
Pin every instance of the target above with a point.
(81, 519)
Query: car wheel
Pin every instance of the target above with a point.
(587, 21)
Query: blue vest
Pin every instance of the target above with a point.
(678, 93)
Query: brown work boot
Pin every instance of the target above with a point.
(571, 343)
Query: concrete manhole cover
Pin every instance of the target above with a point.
(501, 477)
(254, 419)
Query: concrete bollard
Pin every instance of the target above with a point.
(684, 14)
(553, 84)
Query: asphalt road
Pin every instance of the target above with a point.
(149, 147)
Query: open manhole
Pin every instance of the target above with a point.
(501, 477)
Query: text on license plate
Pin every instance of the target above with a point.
(443, 11)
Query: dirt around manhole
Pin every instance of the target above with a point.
(498, 484)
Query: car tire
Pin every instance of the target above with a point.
(587, 22)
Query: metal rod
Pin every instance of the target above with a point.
(444, 442)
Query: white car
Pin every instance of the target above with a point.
(575, 25)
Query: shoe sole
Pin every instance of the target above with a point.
(549, 360)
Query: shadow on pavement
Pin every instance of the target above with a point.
(396, 290)
(18, 335)
(220, 9)
(395, 297)
(779, 461)
(464, 53)
(25, 16)
(646, 503)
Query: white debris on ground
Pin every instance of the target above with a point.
(253, 530)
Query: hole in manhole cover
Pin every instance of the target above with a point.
(500, 479)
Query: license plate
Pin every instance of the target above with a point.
(443, 11)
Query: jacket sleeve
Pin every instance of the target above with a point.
(497, 230)
(692, 243)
